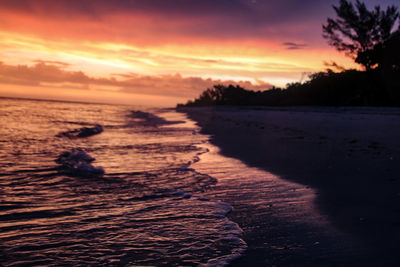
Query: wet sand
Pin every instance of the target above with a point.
(349, 157)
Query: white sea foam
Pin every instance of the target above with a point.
(78, 162)
(232, 234)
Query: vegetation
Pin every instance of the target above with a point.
(358, 31)
(367, 36)
(348, 88)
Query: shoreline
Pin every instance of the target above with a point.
(349, 156)
(272, 212)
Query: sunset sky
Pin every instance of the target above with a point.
(159, 52)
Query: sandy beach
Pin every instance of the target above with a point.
(350, 157)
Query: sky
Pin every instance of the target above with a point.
(159, 52)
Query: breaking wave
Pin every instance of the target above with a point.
(78, 163)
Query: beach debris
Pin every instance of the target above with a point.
(78, 163)
(82, 132)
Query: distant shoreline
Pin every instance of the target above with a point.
(350, 155)
(56, 100)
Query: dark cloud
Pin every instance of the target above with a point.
(261, 10)
(170, 7)
(256, 12)
(158, 22)
(294, 46)
(46, 75)
(222, 18)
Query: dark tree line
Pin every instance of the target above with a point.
(368, 36)
(348, 88)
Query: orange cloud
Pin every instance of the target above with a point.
(45, 74)
(81, 44)
(217, 61)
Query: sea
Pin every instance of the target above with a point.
(107, 185)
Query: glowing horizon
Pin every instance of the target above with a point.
(153, 48)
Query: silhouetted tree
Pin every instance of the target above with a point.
(358, 31)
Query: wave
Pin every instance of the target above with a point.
(78, 163)
(148, 208)
(82, 132)
(148, 119)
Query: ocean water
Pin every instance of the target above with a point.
(91, 184)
